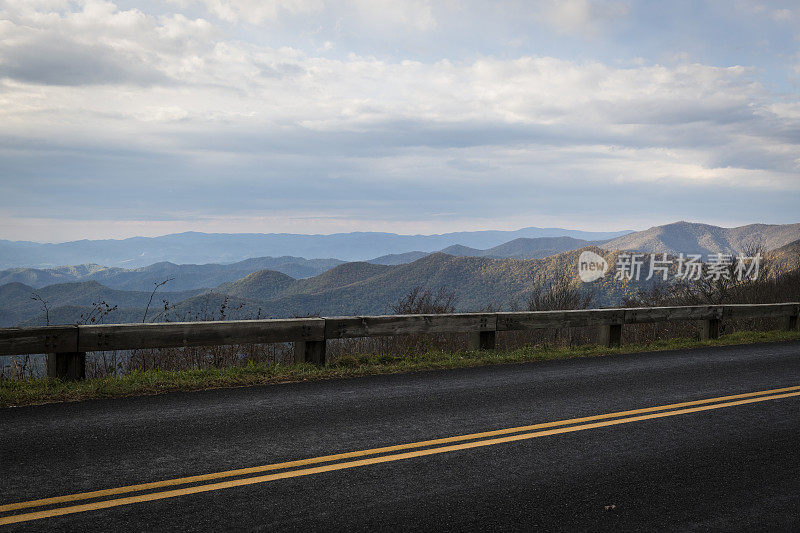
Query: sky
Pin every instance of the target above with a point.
(310, 116)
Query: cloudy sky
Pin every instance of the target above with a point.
(309, 116)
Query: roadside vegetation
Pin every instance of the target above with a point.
(142, 382)
(159, 370)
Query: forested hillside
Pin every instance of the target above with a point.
(70, 302)
(693, 238)
(183, 277)
(476, 283)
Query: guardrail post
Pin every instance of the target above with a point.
(309, 352)
(711, 328)
(66, 365)
(610, 335)
(791, 323)
(482, 340)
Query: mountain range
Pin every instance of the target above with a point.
(347, 289)
(501, 276)
(694, 238)
(193, 247)
(67, 302)
(671, 238)
(183, 277)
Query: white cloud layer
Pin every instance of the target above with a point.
(91, 95)
(581, 16)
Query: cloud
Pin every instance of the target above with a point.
(123, 113)
(51, 61)
(98, 44)
(260, 11)
(582, 16)
(412, 14)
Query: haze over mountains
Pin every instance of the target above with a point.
(349, 288)
(499, 276)
(362, 288)
(211, 275)
(199, 248)
(522, 248)
(182, 276)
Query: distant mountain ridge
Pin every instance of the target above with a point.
(695, 238)
(398, 259)
(525, 248)
(184, 277)
(195, 248)
(348, 289)
(200, 249)
(520, 248)
(372, 287)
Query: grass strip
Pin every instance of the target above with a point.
(45, 390)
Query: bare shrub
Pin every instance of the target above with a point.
(150, 301)
(418, 300)
(98, 313)
(771, 286)
(559, 292)
(421, 301)
(45, 306)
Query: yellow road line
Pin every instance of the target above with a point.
(369, 461)
(362, 453)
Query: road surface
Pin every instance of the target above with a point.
(712, 443)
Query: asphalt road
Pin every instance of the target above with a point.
(732, 467)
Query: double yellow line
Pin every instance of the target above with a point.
(381, 455)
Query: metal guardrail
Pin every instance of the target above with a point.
(66, 346)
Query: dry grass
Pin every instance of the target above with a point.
(346, 364)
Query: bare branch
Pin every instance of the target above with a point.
(45, 306)
(157, 285)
